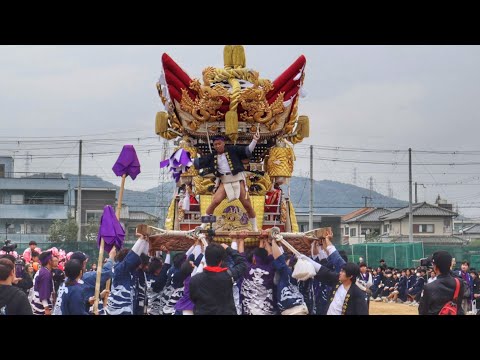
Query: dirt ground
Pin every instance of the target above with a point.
(381, 308)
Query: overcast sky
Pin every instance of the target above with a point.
(362, 97)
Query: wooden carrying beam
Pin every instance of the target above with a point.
(182, 240)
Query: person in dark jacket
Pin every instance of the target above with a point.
(211, 291)
(346, 298)
(13, 301)
(439, 292)
(226, 163)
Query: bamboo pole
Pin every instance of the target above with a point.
(102, 247)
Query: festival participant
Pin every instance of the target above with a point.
(140, 300)
(211, 291)
(153, 279)
(35, 261)
(88, 278)
(257, 286)
(42, 300)
(346, 298)
(74, 301)
(188, 269)
(173, 290)
(226, 162)
(120, 301)
(27, 254)
(13, 300)
(289, 299)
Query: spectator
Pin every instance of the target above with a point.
(26, 282)
(467, 279)
(383, 264)
(439, 292)
(365, 281)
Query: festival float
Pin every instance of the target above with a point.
(237, 103)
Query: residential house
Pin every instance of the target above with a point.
(471, 232)
(432, 224)
(30, 204)
(131, 218)
(462, 222)
(363, 224)
(93, 201)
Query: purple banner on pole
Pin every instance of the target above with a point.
(110, 230)
(179, 163)
(127, 163)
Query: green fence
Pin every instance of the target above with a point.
(460, 253)
(401, 255)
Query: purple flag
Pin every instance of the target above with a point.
(110, 229)
(179, 162)
(127, 163)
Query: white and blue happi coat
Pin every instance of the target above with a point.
(120, 301)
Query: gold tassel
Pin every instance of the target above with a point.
(227, 56)
(231, 125)
(303, 124)
(161, 122)
(238, 56)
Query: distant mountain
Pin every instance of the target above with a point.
(334, 197)
(330, 197)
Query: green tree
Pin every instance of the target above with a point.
(63, 231)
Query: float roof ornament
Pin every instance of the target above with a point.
(234, 101)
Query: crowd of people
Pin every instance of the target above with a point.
(224, 280)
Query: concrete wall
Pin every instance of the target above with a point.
(33, 184)
(33, 211)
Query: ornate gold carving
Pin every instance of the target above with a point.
(280, 161)
(256, 107)
(205, 106)
(202, 185)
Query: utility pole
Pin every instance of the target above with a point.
(390, 190)
(370, 180)
(366, 197)
(416, 197)
(79, 192)
(27, 164)
(410, 215)
(310, 218)
(355, 176)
